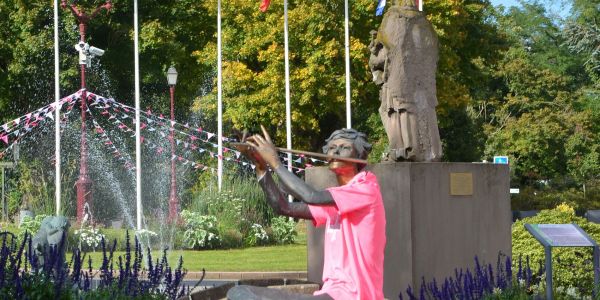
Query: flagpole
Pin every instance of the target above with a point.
(347, 48)
(138, 148)
(56, 111)
(219, 100)
(288, 117)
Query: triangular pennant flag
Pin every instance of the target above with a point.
(210, 135)
(264, 5)
(4, 138)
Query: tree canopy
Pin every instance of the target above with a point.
(512, 81)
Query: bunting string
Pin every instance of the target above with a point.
(13, 132)
(190, 138)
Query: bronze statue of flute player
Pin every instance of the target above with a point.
(352, 213)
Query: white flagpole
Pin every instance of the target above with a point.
(347, 46)
(56, 111)
(219, 99)
(420, 5)
(288, 117)
(138, 148)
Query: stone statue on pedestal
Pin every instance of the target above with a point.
(404, 55)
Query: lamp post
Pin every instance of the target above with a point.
(84, 184)
(173, 203)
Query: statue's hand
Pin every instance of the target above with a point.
(250, 153)
(265, 148)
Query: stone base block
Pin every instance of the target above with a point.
(439, 217)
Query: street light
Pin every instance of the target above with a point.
(172, 76)
(173, 203)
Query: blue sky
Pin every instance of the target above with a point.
(554, 6)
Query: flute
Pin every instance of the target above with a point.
(315, 154)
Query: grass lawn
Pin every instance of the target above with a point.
(270, 258)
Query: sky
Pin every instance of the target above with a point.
(556, 6)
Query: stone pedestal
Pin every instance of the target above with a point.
(439, 217)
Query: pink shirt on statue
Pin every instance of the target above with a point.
(354, 240)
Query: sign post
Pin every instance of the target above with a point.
(563, 235)
(3, 166)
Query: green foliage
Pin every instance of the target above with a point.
(240, 204)
(31, 189)
(284, 230)
(231, 238)
(257, 236)
(514, 293)
(541, 115)
(88, 237)
(572, 267)
(30, 225)
(201, 231)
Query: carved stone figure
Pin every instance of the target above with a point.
(404, 55)
(50, 234)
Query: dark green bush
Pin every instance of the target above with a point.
(231, 238)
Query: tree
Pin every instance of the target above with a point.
(253, 90)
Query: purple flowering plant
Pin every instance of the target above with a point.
(22, 276)
(483, 282)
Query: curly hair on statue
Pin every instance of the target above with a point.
(359, 141)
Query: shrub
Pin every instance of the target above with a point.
(88, 237)
(572, 267)
(284, 230)
(257, 236)
(201, 231)
(240, 204)
(30, 225)
(231, 238)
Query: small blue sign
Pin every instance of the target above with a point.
(501, 160)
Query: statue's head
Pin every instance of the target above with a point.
(347, 142)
